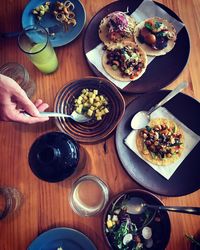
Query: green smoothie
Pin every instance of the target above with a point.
(45, 60)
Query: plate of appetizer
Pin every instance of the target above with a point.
(64, 20)
(149, 229)
(162, 156)
(136, 54)
(97, 99)
(62, 238)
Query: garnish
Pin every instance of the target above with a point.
(126, 59)
(162, 141)
(63, 12)
(41, 10)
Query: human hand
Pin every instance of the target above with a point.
(13, 100)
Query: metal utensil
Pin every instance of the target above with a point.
(142, 118)
(136, 205)
(74, 116)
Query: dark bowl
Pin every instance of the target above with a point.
(54, 156)
(92, 131)
(158, 221)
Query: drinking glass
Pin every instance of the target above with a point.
(34, 42)
(18, 73)
(89, 195)
(10, 201)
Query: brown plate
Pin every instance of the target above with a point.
(158, 221)
(187, 110)
(92, 131)
(162, 70)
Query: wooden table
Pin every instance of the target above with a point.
(46, 205)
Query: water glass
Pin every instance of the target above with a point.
(18, 73)
(34, 42)
(89, 195)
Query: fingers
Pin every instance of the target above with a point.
(29, 119)
(40, 105)
(25, 103)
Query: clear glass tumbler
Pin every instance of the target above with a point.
(10, 201)
(18, 73)
(34, 42)
(89, 195)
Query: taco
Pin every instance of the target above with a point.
(124, 61)
(161, 142)
(156, 36)
(116, 27)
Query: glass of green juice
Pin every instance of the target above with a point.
(34, 42)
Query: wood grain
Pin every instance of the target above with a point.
(46, 205)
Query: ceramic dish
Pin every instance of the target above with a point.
(67, 238)
(92, 131)
(61, 36)
(159, 72)
(186, 110)
(157, 221)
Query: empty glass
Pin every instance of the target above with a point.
(34, 42)
(18, 73)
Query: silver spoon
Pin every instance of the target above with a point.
(142, 118)
(74, 116)
(136, 205)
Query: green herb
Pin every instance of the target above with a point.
(176, 144)
(148, 128)
(148, 26)
(161, 34)
(158, 25)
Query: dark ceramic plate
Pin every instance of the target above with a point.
(187, 110)
(163, 70)
(92, 131)
(159, 222)
(67, 238)
(62, 36)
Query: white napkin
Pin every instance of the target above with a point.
(190, 141)
(145, 10)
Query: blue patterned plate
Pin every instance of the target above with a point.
(58, 34)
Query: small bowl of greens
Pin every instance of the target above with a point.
(148, 230)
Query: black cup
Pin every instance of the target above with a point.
(54, 156)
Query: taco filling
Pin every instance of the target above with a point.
(161, 142)
(119, 26)
(156, 34)
(129, 59)
(116, 27)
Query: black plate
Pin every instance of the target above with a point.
(162, 70)
(186, 178)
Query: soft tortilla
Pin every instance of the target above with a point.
(150, 51)
(116, 74)
(103, 30)
(158, 161)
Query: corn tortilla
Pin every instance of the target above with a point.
(146, 153)
(148, 49)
